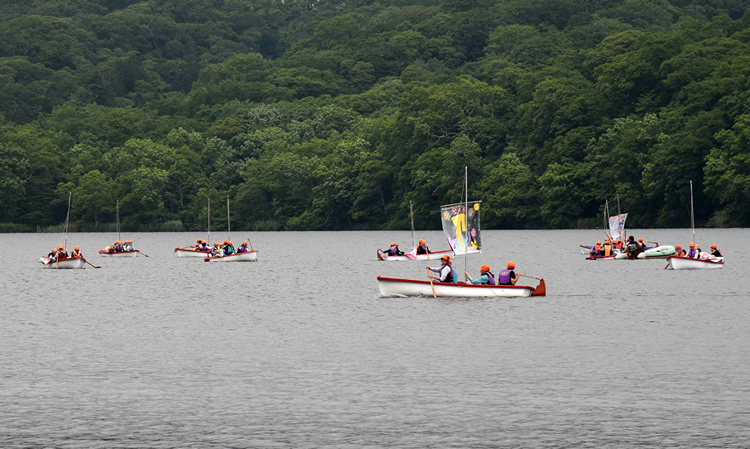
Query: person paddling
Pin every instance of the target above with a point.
(485, 276)
(508, 276)
(393, 250)
(715, 251)
(422, 248)
(444, 272)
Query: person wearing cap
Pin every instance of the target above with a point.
(117, 246)
(228, 248)
(128, 246)
(422, 247)
(508, 276)
(52, 256)
(444, 272)
(216, 250)
(641, 245)
(393, 250)
(198, 245)
(62, 253)
(693, 252)
(486, 277)
(607, 248)
(715, 251)
(243, 247)
(632, 248)
(678, 251)
(76, 254)
(597, 249)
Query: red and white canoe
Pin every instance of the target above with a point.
(130, 253)
(688, 263)
(435, 255)
(412, 287)
(248, 256)
(187, 252)
(69, 264)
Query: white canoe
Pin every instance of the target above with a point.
(660, 252)
(688, 263)
(435, 255)
(63, 264)
(249, 256)
(131, 253)
(185, 252)
(411, 287)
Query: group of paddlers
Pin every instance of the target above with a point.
(694, 252)
(225, 249)
(611, 247)
(393, 249)
(119, 247)
(446, 273)
(60, 253)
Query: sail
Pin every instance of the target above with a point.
(617, 227)
(455, 227)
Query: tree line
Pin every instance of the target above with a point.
(331, 115)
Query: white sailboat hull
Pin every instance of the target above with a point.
(132, 253)
(190, 253)
(688, 263)
(411, 287)
(65, 264)
(249, 256)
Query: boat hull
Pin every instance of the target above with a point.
(132, 253)
(688, 263)
(249, 256)
(65, 264)
(660, 252)
(612, 257)
(411, 287)
(190, 253)
(436, 255)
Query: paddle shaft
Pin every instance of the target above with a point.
(431, 284)
(142, 252)
(529, 276)
(84, 259)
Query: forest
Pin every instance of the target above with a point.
(332, 115)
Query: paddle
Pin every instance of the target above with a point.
(84, 259)
(251, 244)
(529, 276)
(142, 252)
(431, 284)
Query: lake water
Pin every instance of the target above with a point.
(299, 350)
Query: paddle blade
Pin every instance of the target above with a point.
(379, 256)
(540, 290)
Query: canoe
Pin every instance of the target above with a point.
(185, 252)
(660, 252)
(412, 287)
(249, 256)
(688, 263)
(130, 253)
(63, 264)
(435, 255)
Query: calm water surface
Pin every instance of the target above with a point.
(299, 349)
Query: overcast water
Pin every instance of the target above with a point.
(299, 350)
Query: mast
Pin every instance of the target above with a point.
(411, 213)
(229, 222)
(466, 218)
(606, 216)
(118, 219)
(692, 213)
(208, 225)
(619, 217)
(67, 221)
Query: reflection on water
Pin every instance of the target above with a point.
(300, 350)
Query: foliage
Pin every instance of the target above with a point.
(330, 115)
